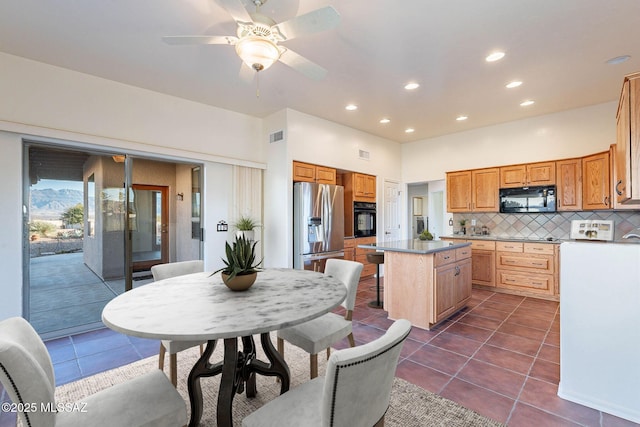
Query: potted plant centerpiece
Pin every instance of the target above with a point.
(244, 226)
(425, 235)
(240, 270)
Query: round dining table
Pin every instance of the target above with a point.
(200, 307)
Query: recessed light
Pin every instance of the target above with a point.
(385, 121)
(411, 86)
(527, 103)
(618, 59)
(351, 107)
(513, 84)
(409, 130)
(461, 118)
(495, 56)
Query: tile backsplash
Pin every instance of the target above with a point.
(543, 225)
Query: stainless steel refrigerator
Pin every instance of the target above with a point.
(318, 224)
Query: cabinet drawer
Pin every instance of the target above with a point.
(483, 244)
(541, 283)
(368, 269)
(444, 257)
(462, 253)
(538, 263)
(538, 248)
(509, 246)
(349, 243)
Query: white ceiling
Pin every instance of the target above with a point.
(558, 48)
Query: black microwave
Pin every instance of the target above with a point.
(528, 199)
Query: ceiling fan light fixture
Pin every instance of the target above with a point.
(258, 53)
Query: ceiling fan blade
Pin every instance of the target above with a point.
(236, 9)
(302, 65)
(318, 20)
(200, 40)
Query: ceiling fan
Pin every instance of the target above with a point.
(258, 37)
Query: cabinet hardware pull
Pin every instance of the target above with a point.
(606, 200)
(446, 257)
(457, 271)
(618, 192)
(537, 249)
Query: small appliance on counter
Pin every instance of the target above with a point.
(587, 229)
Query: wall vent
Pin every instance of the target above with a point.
(276, 136)
(364, 155)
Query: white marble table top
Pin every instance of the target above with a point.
(200, 307)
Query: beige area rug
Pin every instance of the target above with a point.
(410, 405)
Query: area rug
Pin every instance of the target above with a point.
(411, 406)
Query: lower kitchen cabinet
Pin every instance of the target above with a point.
(526, 268)
(427, 288)
(361, 255)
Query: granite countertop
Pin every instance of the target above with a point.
(415, 246)
(552, 240)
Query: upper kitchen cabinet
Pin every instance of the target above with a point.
(305, 172)
(627, 154)
(569, 185)
(531, 174)
(473, 191)
(596, 182)
(364, 187)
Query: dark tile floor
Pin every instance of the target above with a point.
(500, 357)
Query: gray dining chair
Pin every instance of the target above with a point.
(166, 271)
(355, 391)
(320, 333)
(27, 375)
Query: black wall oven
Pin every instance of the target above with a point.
(364, 219)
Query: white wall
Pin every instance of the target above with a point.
(314, 140)
(47, 103)
(11, 220)
(567, 134)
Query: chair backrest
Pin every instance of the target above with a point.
(358, 380)
(348, 272)
(173, 269)
(26, 372)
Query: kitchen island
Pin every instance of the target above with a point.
(425, 281)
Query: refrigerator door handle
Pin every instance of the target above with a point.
(324, 255)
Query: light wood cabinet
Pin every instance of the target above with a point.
(596, 182)
(306, 172)
(364, 187)
(569, 185)
(533, 174)
(361, 255)
(473, 191)
(459, 191)
(526, 268)
(427, 288)
(627, 153)
(483, 262)
(350, 249)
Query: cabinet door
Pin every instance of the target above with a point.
(459, 191)
(304, 172)
(462, 275)
(325, 175)
(569, 185)
(627, 155)
(541, 173)
(444, 299)
(370, 186)
(513, 176)
(596, 182)
(483, 267)
(485, 196)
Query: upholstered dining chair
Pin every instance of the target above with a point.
(166, 271)
(320, 333)
(27, 375)
(355, 391)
